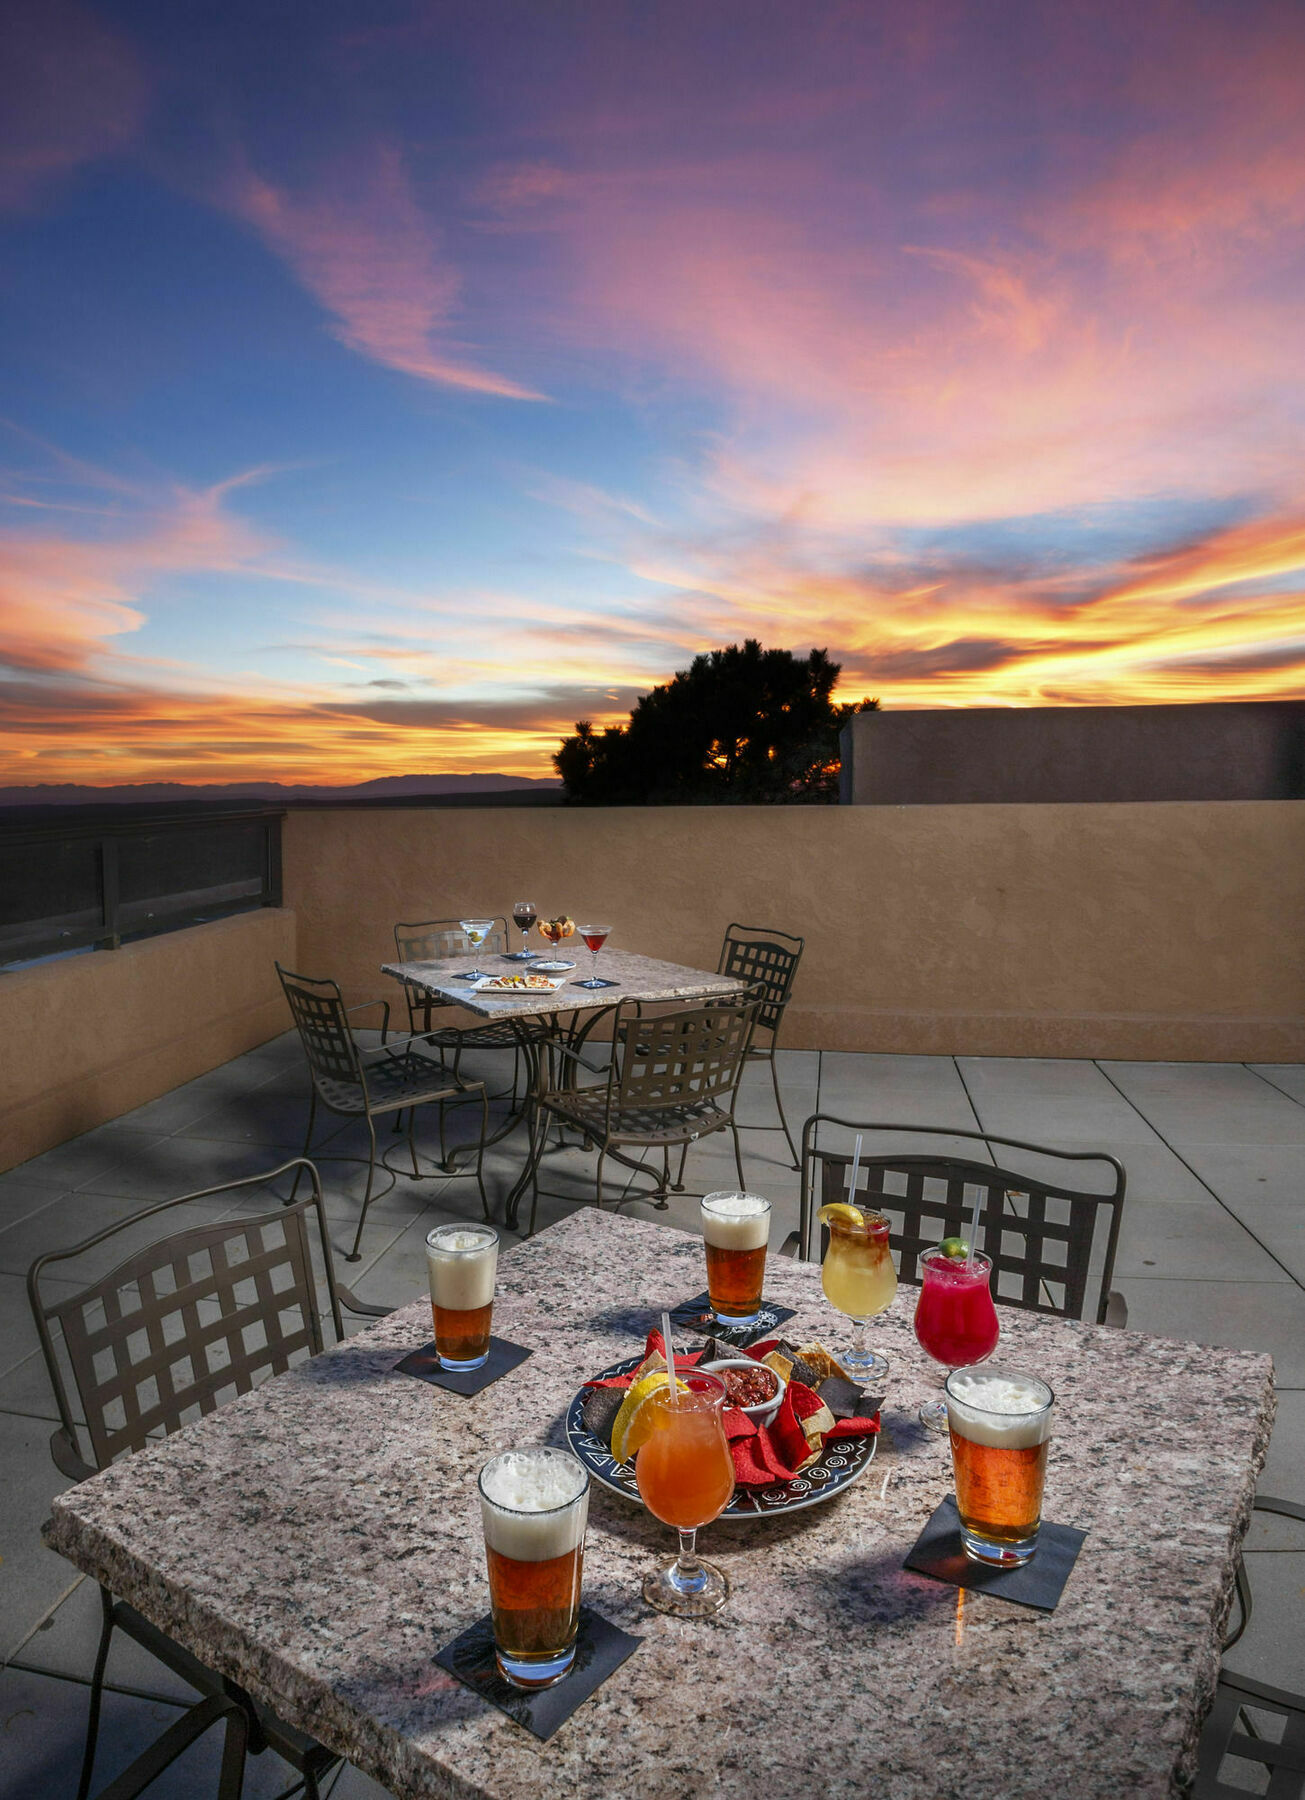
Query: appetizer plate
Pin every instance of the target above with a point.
(519, 987)
(553, 968)
(839, 1465)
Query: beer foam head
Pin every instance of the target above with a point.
(1003, 1408)
(736, 1221)
(462, 1266)
(534, 1503)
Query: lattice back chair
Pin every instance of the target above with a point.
(166, 1336)
(671, 1080)
(1052, 1242)
(367, 1083)
(767, 959)
(430, 941)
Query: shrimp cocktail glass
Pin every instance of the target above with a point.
(859, 1279)
(462, 1267)
(735, 1233)
(534, 1505)
(955, 1319)
(1000, 1425)
(686, 1479)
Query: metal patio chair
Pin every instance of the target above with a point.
(763, 957)
(368, 1082)
(429, 940)
(670, 1080)
(183, 1324)
(1043, 1234)
(1231, 1729)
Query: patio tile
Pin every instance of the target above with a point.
(183, 1105)
(32, 1578)
(74, 1216)
(45, 1729)
(1248, 1171)
(1099, 1121)
(19, 1199)
(1289, 1078)
(1155, 1173)
(1283, 1477)
(1026, 1077)
(18, 1336)
(1179, 1240)
(1280, 1227)
(1209, 1103)
(65, 1644)
(112, 1161)
(1247, 1315)
(276, 1120)
(1271, 1648)
(894, 1090)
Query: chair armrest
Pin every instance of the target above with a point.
(66, 1458)
(365, 1310)
(575, 1057)
(1116, 1311)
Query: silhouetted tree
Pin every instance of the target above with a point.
(740, 726)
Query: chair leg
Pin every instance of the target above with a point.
(738, 1156)
(97, 1690)
(480, 1152)
(598, 1177)
(235, 1746)
(308, 1138)
(678, 1185)
(355, 1255)
(783, 1119)
(412, 1142)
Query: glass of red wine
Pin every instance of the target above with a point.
(595, 936)
(523, 917)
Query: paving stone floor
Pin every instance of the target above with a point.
(1212, 1250)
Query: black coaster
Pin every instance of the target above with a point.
(425, 1365)
(600, 1650)
(939, 1552)
(593, 986)
(696, 1315)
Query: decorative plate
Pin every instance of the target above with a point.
(839, 1465)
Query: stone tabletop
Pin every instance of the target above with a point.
(319, 1540)
(634, 977)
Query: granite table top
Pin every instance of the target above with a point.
(635, 978)
(319, 1541)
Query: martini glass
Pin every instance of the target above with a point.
(477, 931)
(595, 936)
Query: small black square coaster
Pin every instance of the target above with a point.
(425, 1365)
(696, 1315)
(600, 1649)
(938, 1551)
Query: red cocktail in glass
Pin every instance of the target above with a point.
(955, 1319)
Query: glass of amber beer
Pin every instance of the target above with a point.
(735, 1232)
(1000, 1425)
(534, 1505)
(462, 1263)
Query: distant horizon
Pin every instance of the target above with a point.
(392, 391)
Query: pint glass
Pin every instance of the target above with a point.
(534, 1505)
(1000, 1424)
(735, 1231)
(462, 1263)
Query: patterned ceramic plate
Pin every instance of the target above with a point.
(838, 1467)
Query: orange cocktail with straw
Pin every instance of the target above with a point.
(686, 1479)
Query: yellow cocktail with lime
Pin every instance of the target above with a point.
(858, 1278)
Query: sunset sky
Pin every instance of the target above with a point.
(386, 386)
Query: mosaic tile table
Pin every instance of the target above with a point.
(319, 1541)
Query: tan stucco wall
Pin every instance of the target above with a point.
(1159, 930)
(86, 1039)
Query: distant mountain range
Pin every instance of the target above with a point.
(385, 787)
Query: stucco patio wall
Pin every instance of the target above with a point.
(1168, 930)
(85, 1039)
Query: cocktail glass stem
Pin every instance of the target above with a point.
(863, 1362)
(593, 968)
(933, 1413)
(688, 1575)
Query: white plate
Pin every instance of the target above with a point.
(552, 968)
(507, 986)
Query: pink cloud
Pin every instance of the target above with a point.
(365, 250)
(70, 91)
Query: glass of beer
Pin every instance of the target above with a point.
(462, 1263)
(1000, 1425)
(534, 1505)
(735, 1231)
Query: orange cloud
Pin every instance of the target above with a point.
(365, 250)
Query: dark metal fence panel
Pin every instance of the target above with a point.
(76, 879)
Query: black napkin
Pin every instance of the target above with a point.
(696, 1315)
(600, 1650)
(938, 1551)
(425, 1365)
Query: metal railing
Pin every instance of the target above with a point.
(81, 878)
